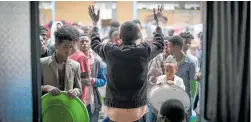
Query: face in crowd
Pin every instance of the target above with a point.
(84, 43)
(115, 38)
(175, 45)
(64, 38)
(170, 69)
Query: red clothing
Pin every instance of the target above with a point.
(84, 62)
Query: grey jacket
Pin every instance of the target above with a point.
(50, 74)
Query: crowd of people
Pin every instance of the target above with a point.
(74, 58)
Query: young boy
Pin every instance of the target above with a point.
(59, 73)
(156, 66)
(170, 78)
(187, 40)
(170, 68)
(186, 65)
(127, 66)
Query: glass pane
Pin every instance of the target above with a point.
(15, 76)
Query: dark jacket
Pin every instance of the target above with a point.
(127, 67)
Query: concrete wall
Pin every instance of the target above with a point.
(78, 12)
(175, 17)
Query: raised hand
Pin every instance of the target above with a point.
(197, 76)
(94, 17)
(157, 14)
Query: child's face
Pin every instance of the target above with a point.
(170, 70)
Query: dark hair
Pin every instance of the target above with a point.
(129, 31)
(176, 41)
(136, 22)
(83, 35)
(186, 35)
(115, 33)
(171, 30)
(166, 37)
(199, 34)
(42, 28)
(66, 33)
(75, 24)
(84, 28)
(113, 29)
(173, 110)
(115, 24)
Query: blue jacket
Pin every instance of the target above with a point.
(100, 79)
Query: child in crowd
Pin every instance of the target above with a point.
(170, 69)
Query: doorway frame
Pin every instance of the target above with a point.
(35, 61)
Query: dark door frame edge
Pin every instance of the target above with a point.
(204, 52)
(35, 61)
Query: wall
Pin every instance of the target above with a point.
(175, 17)
(72, 11)
(124, 11)
(78, 12)
(47, 15)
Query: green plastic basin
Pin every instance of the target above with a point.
(63, 109)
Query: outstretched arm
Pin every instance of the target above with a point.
(156, 47)
(96, 44)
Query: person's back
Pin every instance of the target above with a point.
(127, 67)
(127, 71)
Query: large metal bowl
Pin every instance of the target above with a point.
(158, 94)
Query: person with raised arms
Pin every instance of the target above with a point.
(127, 67)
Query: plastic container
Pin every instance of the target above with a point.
(63, 109)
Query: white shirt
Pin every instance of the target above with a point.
(177, 81)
